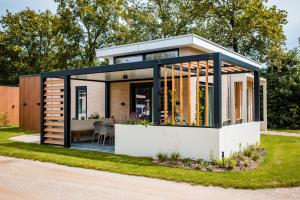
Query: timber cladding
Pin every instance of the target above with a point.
(30, 102)
(9, 103)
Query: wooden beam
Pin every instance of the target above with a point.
(180, 95)
(206, 94)
(189, 95)
(173, 94)
(165, 95)
(197, 97)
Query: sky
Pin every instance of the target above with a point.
(292, 29)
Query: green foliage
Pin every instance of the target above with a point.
(174, 156)
(134, 119)
(246, 162)
(162, 156)
(255, 156)
(283, 83)
(95, 115)
(4, 119)
(247, 27)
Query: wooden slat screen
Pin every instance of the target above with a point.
(54, 111)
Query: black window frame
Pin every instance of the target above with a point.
(77, 88)
(145, 53)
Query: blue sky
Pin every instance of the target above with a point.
(292, 29)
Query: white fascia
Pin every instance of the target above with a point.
(170, 43)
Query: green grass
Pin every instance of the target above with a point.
(285, 130)
(279, 169)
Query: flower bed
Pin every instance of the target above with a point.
(248, 159)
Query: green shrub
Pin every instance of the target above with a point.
(202, 162)
(174, 156)
(188, 161)
(213, 158)
(4, 119)
(246, 162)
(231, 163)
(220, 163)
(254, 156)
(162, 156)
(209, 168)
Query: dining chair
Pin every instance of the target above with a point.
(106, 130)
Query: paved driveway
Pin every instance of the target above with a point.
(25, 179)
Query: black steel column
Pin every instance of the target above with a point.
(107, 99)
(42, 103)
(217, 92)
(67, 111)
(156, 95)
(256, 96)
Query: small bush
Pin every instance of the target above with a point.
(162, 156)
(231, 163)
(213, 158)
(202, 162)
(246, 162)
(4, 119)
(174, 157)
(209, 168)
(255, 156)
(188, 161)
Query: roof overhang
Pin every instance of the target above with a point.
(190, 40)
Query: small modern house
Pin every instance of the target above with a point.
(200, 98)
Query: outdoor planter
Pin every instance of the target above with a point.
(189, 142)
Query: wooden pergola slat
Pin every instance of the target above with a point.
(165, 95)
(206, 94)
(173, 95)
(180, 96)
(197, 96)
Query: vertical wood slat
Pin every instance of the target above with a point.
(165, 95)
(173, 94)
(189, 94)
(180, 96)
(197, 96)
(206, 94)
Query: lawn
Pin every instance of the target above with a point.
(286, 130)
(279, 169)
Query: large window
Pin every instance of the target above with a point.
(81, 102)
(162, 55)
(129, 59)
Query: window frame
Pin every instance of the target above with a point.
(144, 54)
(77, 88)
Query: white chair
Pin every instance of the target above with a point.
(106, 130)
(96, 130)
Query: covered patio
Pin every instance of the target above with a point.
(188, 95)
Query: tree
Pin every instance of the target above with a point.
(283, 79)
(91, 23)
(248, 27)
(155, 19)
(30, 43)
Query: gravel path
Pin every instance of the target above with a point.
(25, 179)
(29, 138)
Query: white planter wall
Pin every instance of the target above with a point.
(138, 140)
(189, 142)
(237, 137)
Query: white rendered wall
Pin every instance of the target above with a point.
(189, 142)
(236, 137)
